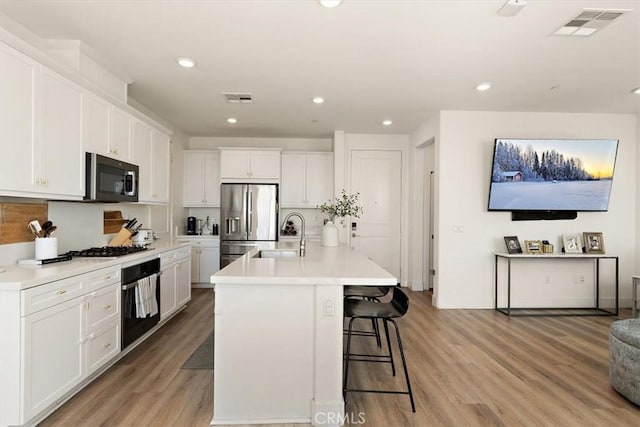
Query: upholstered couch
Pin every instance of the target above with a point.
(624, 358)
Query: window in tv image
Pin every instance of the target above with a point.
(552, 174)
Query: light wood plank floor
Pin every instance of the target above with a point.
(468, 368)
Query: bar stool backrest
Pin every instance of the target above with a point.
(400, 301)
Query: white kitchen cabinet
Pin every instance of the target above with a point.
(167, 291)
(249, 164)
(19, 78)
(40, 124)
(119, 134)
(307, 179)
(201, 178)
(141, 156)
(208, 263)
(150, 152)
(53, 354)
(205, 258)
(183, 282)
(175, 282)
(61, 155)
(95, 120)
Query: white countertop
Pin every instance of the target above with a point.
(321, 266)
(20, 277)
(197, 237)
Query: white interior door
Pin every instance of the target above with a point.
(377, 176)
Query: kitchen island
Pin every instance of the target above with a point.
(278, 333)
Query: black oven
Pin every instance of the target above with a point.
(110, 180)
(140, 300)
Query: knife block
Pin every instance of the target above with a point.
(123, 238)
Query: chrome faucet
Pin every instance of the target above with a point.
(302, 241)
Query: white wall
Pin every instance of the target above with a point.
(421, 153)
(463, 160)
(287, 144)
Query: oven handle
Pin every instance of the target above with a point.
(134, 284)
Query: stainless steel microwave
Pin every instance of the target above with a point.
(110, 180)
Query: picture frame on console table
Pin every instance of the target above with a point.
(533, 246)
(572, 243)
(593, 243)
(513, 244)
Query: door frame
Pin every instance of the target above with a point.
(366, 142)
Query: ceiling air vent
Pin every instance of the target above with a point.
(238, 98)
(588, 22)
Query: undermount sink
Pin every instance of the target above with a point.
(276, 253)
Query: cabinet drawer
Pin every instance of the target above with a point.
(172, 256)
(102, 346)
(101, 278)
(50, 294)
(104, 306)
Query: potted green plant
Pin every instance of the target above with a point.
(339, 207)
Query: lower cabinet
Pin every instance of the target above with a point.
(205, 259)
(53, 354)
(66, 333)
(175, 282)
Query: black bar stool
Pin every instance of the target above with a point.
(388, 311)
(369, 293)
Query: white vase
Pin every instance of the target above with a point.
(329, 234)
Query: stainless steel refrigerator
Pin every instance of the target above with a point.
(248, 214)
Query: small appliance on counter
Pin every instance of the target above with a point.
(143, 236)
(192, 229)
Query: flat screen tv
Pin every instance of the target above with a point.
(552, 174)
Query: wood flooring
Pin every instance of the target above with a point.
(467, 367)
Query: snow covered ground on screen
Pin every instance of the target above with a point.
(562, 195)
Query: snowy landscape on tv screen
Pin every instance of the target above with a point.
(552, 174)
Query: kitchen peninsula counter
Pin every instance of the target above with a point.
(278, 334)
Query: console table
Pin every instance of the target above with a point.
(634, 290)
(596, 310)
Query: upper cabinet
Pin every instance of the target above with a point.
(201, 178)
(150, 152)
(61, 156)
(249, 164)
(96, 125)
(141, 156)
(19, 78)
(307, 179)
(119, 134)
(107, 129)
(40, 130)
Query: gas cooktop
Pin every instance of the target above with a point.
(106, 251)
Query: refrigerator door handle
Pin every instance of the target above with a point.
(249, 212)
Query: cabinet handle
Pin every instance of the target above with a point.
(107, 345)
(107, 307)
(61, 291)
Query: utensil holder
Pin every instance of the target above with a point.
(46, 247)
(123, 238)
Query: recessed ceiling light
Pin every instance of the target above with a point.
(387, 122)
(232, 120)
(318, 100)
(186, 62)
(636, 91)
(483, 86)
(330, 3)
